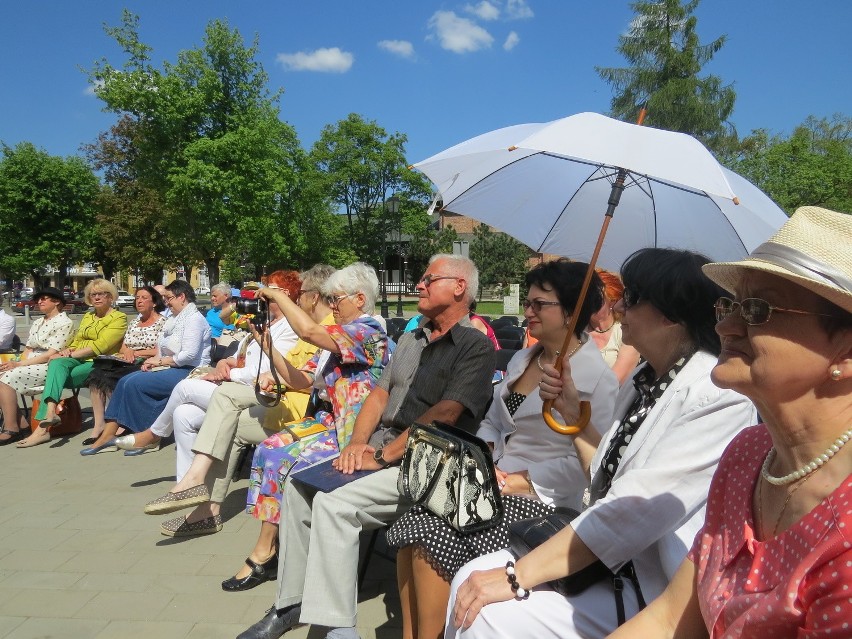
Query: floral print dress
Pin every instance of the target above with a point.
(346, 380)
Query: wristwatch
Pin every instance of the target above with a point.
(380, 460)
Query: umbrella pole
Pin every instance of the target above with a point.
(585, 407)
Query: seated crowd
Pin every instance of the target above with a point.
(717, 392)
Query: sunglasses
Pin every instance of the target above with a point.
(754, 310)
(335, 301)
(536, 305)
(630, 298)
(427, 279)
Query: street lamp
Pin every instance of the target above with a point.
(392, 207)
(403, 257)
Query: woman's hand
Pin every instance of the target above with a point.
(478, 590)
(266, 382)
(7, 366)
(65, 352)
(127, 355)
(152, 362)
(515, 484)
(561, 390)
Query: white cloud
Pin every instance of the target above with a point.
(457, 34)
(484, 10)
(331, 60)
(511, 41)
(518, 10)
(402, 48)
(90, 90)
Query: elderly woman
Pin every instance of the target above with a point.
(185, 410)
(48, 335)
(141, 396)
(140, 343)
(354, 352)
(219, 296)
(605, 329)
(539, 469)
(235, 419)
(774, 557)
(101, 333)
(649, 476)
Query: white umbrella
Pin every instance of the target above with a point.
(550, 188)
(550, 191)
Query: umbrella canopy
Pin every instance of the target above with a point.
(551, 190)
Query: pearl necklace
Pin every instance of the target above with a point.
(808, 468)
(538, 359)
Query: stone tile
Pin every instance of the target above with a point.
(102, 562)
(42, 580)
(36, 560)
(41, 628)
(45, 603)
(120, 606)
(211, 607)
(118, 582)
(146, 630)
(161, 562)
(42, 538)
(8, 624)
(216, 631)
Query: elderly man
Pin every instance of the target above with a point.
(441, 371)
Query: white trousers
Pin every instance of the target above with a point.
(183, 415)
(546, 614)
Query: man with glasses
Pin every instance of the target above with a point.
(439, 372)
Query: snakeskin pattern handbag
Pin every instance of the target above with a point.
(451, 473)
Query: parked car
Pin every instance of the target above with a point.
(125, 299)
(202, 290)
(71, 306)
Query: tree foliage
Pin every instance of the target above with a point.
(46, 211)
(205, 155)
(665, 56)
(360, 168)
(813, 166)
(501, 259)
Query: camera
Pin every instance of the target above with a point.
(254, 310)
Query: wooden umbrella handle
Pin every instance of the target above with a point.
(585, 407)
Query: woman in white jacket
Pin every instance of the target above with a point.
(538, 468)
(649, 476)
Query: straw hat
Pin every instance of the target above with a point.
(812, 249)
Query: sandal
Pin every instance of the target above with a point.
(13, 436)
(259, 574)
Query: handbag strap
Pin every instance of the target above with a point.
(628, 570)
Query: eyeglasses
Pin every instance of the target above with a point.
(335, 301)
(99, 294)
(302, 291)
(537, 304)
(630, 298)
(754, 310)
(427, 279)
(168, 298)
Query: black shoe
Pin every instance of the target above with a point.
(274, 624)
(259, 574)
(14, 436)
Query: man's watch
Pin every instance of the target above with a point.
(380, 460)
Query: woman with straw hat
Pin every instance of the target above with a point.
(774, 558)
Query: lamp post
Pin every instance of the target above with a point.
(392, 207)
(403, 257)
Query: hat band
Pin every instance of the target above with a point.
(802, 264)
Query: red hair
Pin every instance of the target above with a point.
(288, 280)
(613, 286)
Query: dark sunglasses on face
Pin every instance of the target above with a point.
(630, 298)
(427, 279)
(753, 310)
(536, 305)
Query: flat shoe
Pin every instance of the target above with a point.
(179, 527)
(14, 436)
(259, 574)
(171, 502)
(274, 624)
(34, 440)
(89, 441)
(94, 450)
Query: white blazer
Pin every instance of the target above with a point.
(655, 505)
(550, 458)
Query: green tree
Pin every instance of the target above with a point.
(361, 167)
(665, 56)
(209, 144)
(501, 259)
(811, 166)
(46, 211)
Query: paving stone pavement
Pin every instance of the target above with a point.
(80, 560)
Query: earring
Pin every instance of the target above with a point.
(835, 374)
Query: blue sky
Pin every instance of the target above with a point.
(440, 72)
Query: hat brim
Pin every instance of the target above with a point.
(728, 276)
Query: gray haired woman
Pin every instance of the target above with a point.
(219, 296)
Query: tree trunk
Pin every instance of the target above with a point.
(213, 273)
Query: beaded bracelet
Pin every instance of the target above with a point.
(520, 593)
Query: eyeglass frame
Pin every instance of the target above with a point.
(427, 279)
(770, 309)
(334, 302)
(537, 304)
(630, 298)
